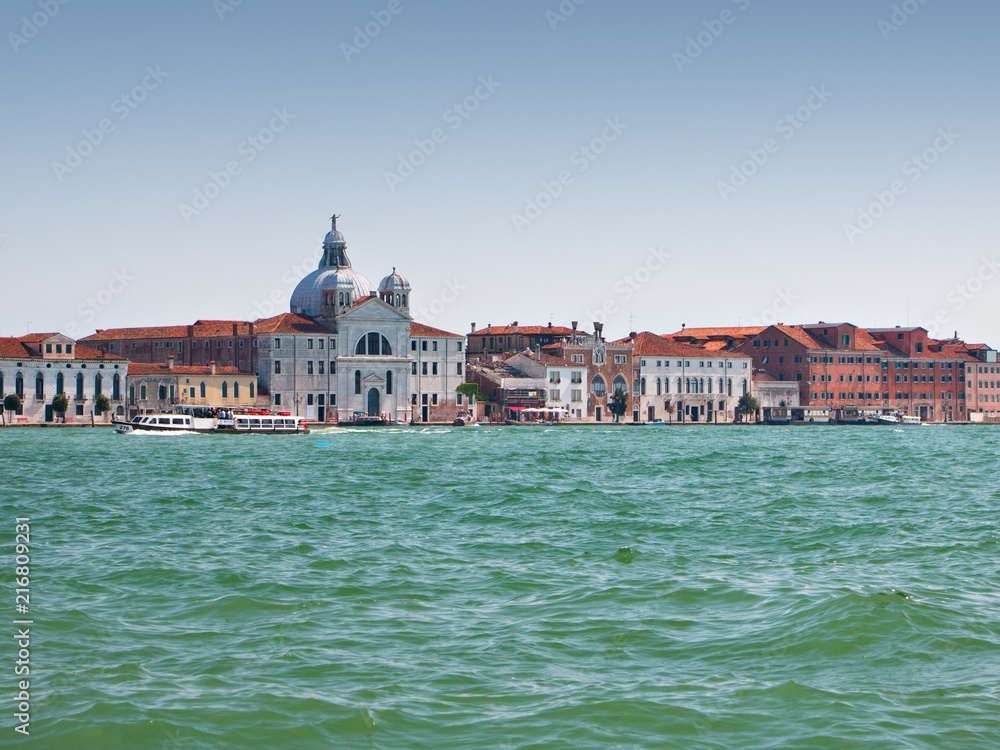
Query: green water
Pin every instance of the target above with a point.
(826, 587)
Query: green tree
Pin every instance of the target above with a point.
(618, 404)
(11, 402)
(747, 406)
(102, 404)
(669, 409)
(60, 404)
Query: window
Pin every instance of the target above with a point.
(373, 344)
(458, 366)
(59, 383)
(225, 389)
(423, 346)
(388, 382)
(277, 343)
(39, 385)
(619, 383)
(309, 399)
(434, 368)
(201, 389)
(555, 377)
(413, 368)
(98, 383)
(598, 387)
(413, 345)
(357, 382)
(423, 368)
(277, 367)
(277, 399)
(434, 346)
(576, 377)
(434, 399)
(142, 392)
(322, 368)
(309, 368)
(162, 393)
(309, 343)
(620, 359)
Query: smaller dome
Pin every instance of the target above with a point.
(334, 236)
(394, 283)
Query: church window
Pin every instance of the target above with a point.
(404, 300)
(357, 382)
(374, 344)
(341, 299)
(388, 382)
(597, 386)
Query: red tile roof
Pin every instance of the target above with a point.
(141, 368)
(420, 330)
(524, 331)
(200, 329)
(291, 323)
(34, 338)
(13, 348)
(648, 344)
(737, 332)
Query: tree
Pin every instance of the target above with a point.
(618, 404)
(60, 404)
(12, 402)
(669, 409)
(102, 404)
(748, 405)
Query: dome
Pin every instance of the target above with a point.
(333, 275)
(307, 299)
(394, 283)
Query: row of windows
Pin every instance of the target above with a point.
(59, 348)
(900, 396)
(707, 365)
(368, 345)
(61, 384)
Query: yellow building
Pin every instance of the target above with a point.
(157, 388)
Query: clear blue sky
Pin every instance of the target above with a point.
(694, 89)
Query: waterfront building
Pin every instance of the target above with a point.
(507, 389)
(437, 368)
(684, 383)
(39, 366)
(501, 341)
(563, 381)
(158, 388)
(608, 368)
(228, 343)
(839, 365)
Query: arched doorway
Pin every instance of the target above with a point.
(373, 402)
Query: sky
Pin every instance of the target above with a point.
(643, 164)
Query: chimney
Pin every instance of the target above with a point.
(514, 326)
(170, 362)
(236, 331)
(211, 367)
(598, 331)
(574, 323)
(632, 335)
(473, 327)
(538, 353)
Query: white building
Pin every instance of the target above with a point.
(682, 383)
(347, 348)
(39, 366)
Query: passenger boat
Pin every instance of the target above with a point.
(897, 418)
(201, 420)
(860, 415)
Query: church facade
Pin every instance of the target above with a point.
(348, 348)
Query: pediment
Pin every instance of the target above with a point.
(374, 309)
